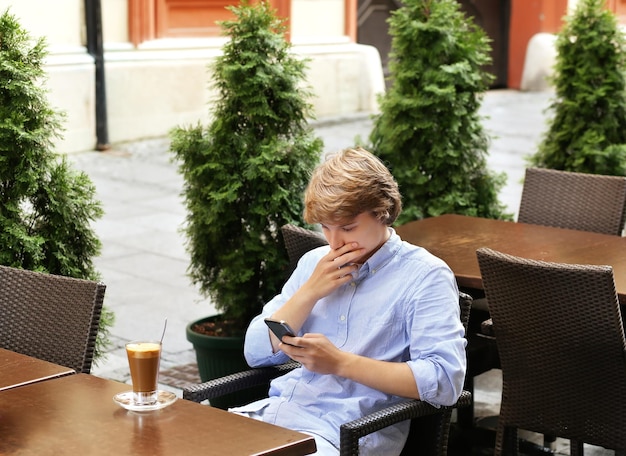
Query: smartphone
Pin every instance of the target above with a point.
(280, 328)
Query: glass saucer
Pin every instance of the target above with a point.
(125, 400)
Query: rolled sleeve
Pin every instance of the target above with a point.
(258, 349)
(438, 359)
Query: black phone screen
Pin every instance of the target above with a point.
(279, 328)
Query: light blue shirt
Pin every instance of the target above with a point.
(402, 306)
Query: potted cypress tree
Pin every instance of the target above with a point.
(244, 177)
(46, 207)
(429, 130)
(587, 132)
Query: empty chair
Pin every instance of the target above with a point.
(564, 199)
(50, 317)
(560, 338)
(578, 201)
(575, 201)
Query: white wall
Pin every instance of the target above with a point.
(60, 21)
(164, 83)
(115, 21)
(317, 18)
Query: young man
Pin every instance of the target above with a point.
(377, 319)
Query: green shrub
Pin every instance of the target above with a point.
(429, 131)
(245, 173)
(587, 132)
(46, 208)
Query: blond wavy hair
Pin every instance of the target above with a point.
(349, 183)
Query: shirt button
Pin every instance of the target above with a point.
(352, 284)
(342, 318)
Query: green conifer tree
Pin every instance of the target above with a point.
(245, 173)
(429, 130)
(46, 207)
(587, 132)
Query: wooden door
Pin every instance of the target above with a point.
(493, 17)
(373, 29)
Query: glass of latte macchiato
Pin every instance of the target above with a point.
(143, 359)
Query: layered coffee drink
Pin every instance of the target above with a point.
(144, 359)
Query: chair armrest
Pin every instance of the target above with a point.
(351, 432)
(235, 382)
(486, 328)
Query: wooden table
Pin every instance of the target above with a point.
(18, 370)
(455, 239)
(76, 415)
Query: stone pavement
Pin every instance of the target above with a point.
(143, 261)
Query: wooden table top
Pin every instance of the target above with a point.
(76, 415)
(455, 239)
(18, 370)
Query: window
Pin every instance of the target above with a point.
(153, 19)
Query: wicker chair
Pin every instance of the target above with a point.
(298, 241)
(562, 351)
(430, 426)
(50, 317)
(481, 351)
(563, 199)
(577, 201)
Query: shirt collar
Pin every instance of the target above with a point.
(383, 255)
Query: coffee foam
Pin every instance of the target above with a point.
(147, 349)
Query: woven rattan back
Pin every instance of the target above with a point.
(50, 317)
(298, 241)
(578, 201)
(560, 337)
